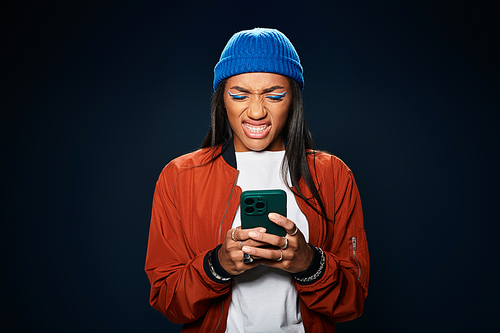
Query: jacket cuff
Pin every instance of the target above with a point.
(213, 268)
(314, 271)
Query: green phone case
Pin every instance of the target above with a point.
(256, 205)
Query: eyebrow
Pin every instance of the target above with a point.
(265, 91)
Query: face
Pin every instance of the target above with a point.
(257, 106)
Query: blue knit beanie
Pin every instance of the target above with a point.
(259, 50)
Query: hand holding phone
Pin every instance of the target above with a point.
(256, 205)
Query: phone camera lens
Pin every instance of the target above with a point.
(249, 209)
(259, 205)
(249, 201)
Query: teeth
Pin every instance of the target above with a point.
(256, 129)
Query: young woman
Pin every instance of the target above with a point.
(211, 275)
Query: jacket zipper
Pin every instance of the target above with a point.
(220, 318)
(220, 232)
(354, 248)
(227, 206)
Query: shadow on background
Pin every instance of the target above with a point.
(99, 96)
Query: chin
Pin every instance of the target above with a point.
(249, 144)
(256, 148)
(252, 146)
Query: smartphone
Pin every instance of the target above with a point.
(256, 205)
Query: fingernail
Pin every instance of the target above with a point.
(245, 249)
(262, 230)
(272, 216)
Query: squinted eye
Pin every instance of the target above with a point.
(276, 96)
(237, 96)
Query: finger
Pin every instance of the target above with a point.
(230, 245)
(253, 243)
(282, 221)
(242, 234)
(268, 239)
(271, 254)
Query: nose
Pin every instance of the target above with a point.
(256, 110)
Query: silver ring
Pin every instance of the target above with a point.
(286, 244)
(232, 235)
(295, 232)
(241, 245)
(281, 258)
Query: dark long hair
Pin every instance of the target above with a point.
(296, 135)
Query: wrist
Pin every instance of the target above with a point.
(216, 264)
(315, 269)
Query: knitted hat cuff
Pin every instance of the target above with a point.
(234, 66)
(259, 50)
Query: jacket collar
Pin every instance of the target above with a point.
(228, 154)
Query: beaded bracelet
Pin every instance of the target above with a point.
(319, 272)
(212, 270)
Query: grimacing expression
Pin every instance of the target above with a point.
(257, 106)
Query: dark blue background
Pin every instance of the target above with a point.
(97, 96)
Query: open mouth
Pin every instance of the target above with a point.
(256, 131)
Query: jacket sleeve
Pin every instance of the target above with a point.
(180, 287)
(340, 292)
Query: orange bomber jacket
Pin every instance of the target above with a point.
(194, 205)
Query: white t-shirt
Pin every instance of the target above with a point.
(264, 299)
